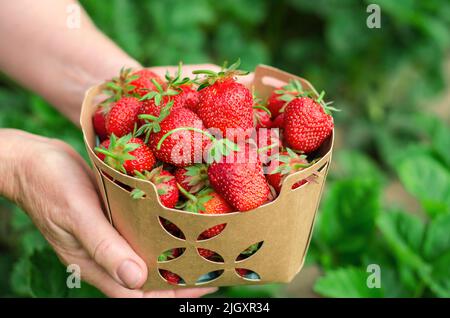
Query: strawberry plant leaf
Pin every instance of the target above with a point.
(346, 282)
(428, 180)
(348, 215)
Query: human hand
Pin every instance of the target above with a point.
(56, 188)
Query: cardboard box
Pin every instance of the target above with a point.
(284, 226)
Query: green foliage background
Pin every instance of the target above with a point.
(386, 81)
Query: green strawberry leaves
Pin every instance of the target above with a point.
(153, 123)
(428, 180)
(225, 72)
(118, 151)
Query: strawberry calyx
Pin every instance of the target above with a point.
(152, 123)
(290, 162)
(294, 89)
(159, 94)
(218, 149)
(118, 151)
(196, 203)
(225, 73)
(196, 177)
(177, 80)
(121, 85)
(156, 177)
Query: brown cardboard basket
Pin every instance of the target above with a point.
(284, 226)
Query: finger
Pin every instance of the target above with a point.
(105, 245)
(186, 69)
(180, 293)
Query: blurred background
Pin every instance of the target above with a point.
(387, 200)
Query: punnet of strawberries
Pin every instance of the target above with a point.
(208, 143)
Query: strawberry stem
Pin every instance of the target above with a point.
(188, 195)
(263, 108)
(266, 148)
(147, 116)
(107, 153)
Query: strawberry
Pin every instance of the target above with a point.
(261, 117)
(123, 116)
(145, 81)
(205, 253)
(288, 162)
(192, 178)
(179, 90)
(188, 95)
(99, 120)
(240, 181)
(183, 148)
(130, 83)
(223, 102)
(242, 271)
(165, 183)
(278, 122)
(126, 154)
(268, 143)
(171, 228)
(280, 96)
(307, 124)
(206, 201)
(170, 277)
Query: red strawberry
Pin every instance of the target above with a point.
(192, 178)
(279, 97)
(171, 228)
(240, 180)
(182, 148)
(178, 90)
(288, 162)
(261, 117)
(242, 271)
(126, 154)
(170, 277)
(268, 143)
(130, 83)
(190, 97)
(143, 83)
(123, 116)
(207, 201)
(224, 103)
(278, 122)
(165, 183)
(205, 253)
(99, 121)
(306, 124)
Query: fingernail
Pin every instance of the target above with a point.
(130, 273)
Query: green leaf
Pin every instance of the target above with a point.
(44, 265)
(354, 163)
(346, 282)
(437, 239)
(403, 234)
(21, 277)
(349, 211)
(428, 180)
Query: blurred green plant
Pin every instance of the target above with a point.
(386, 80)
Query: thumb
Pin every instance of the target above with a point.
(108, 249)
